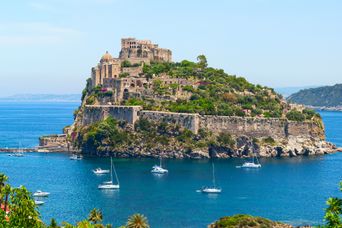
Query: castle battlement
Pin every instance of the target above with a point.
(132, 48)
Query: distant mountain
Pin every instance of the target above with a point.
(42, 98)
(287, 91)
(328, 96)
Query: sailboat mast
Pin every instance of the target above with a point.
(213, 173)
(116, 176)
(256, 157)
(111, 169)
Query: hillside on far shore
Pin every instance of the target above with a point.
(328, 96)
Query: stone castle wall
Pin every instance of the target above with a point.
(261, 127)
(189, 121)
(95, 113)
(252, 127)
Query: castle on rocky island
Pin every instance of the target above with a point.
(127, 90)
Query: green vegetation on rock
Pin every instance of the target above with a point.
(110, 135)
(205, 90)
(246, 221)
(305, 114)
(216, 93)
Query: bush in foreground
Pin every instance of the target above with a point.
(246, 221)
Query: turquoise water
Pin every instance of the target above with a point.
(292, 190)
(25, 122)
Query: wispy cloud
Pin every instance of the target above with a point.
(34, 33)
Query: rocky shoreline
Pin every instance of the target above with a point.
(245, 149)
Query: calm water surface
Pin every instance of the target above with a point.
(292, 190)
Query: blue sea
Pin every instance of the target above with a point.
(292, 190)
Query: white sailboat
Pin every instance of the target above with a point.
(158, 169)
(254, 164)
(212, 189)
(110, 184)
(20, 152)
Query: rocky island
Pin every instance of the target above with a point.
(142, 104)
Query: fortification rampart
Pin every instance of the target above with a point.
(95, 113)
(189, 121)
(253, 127)
(249, 126)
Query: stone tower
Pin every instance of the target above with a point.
(143, 50)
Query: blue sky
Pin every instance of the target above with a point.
(50, 46)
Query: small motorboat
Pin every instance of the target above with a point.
(250, 165)
(101, 171)
(76, 157)
(40, 193)
(39, 202)
(158, 170)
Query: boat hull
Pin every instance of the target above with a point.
(101, 172)
(41, 194)
(211, 191)
(109, 186)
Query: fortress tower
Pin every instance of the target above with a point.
(108, 67)
(141, 50)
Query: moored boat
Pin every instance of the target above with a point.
(253, 164)
(158, 169)
(110, 184)
(100, 171)
(76, 157)
(39, 202)
(40, 193)
(250, 165)
(212, 189)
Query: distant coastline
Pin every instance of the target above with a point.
(325, 108)
(72, 98)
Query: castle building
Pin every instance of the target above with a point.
(124, 76)
(133, 50)
(136, 50)
(108, 67)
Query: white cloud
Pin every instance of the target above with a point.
(34, 33)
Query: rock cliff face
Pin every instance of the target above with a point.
(266, 137)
